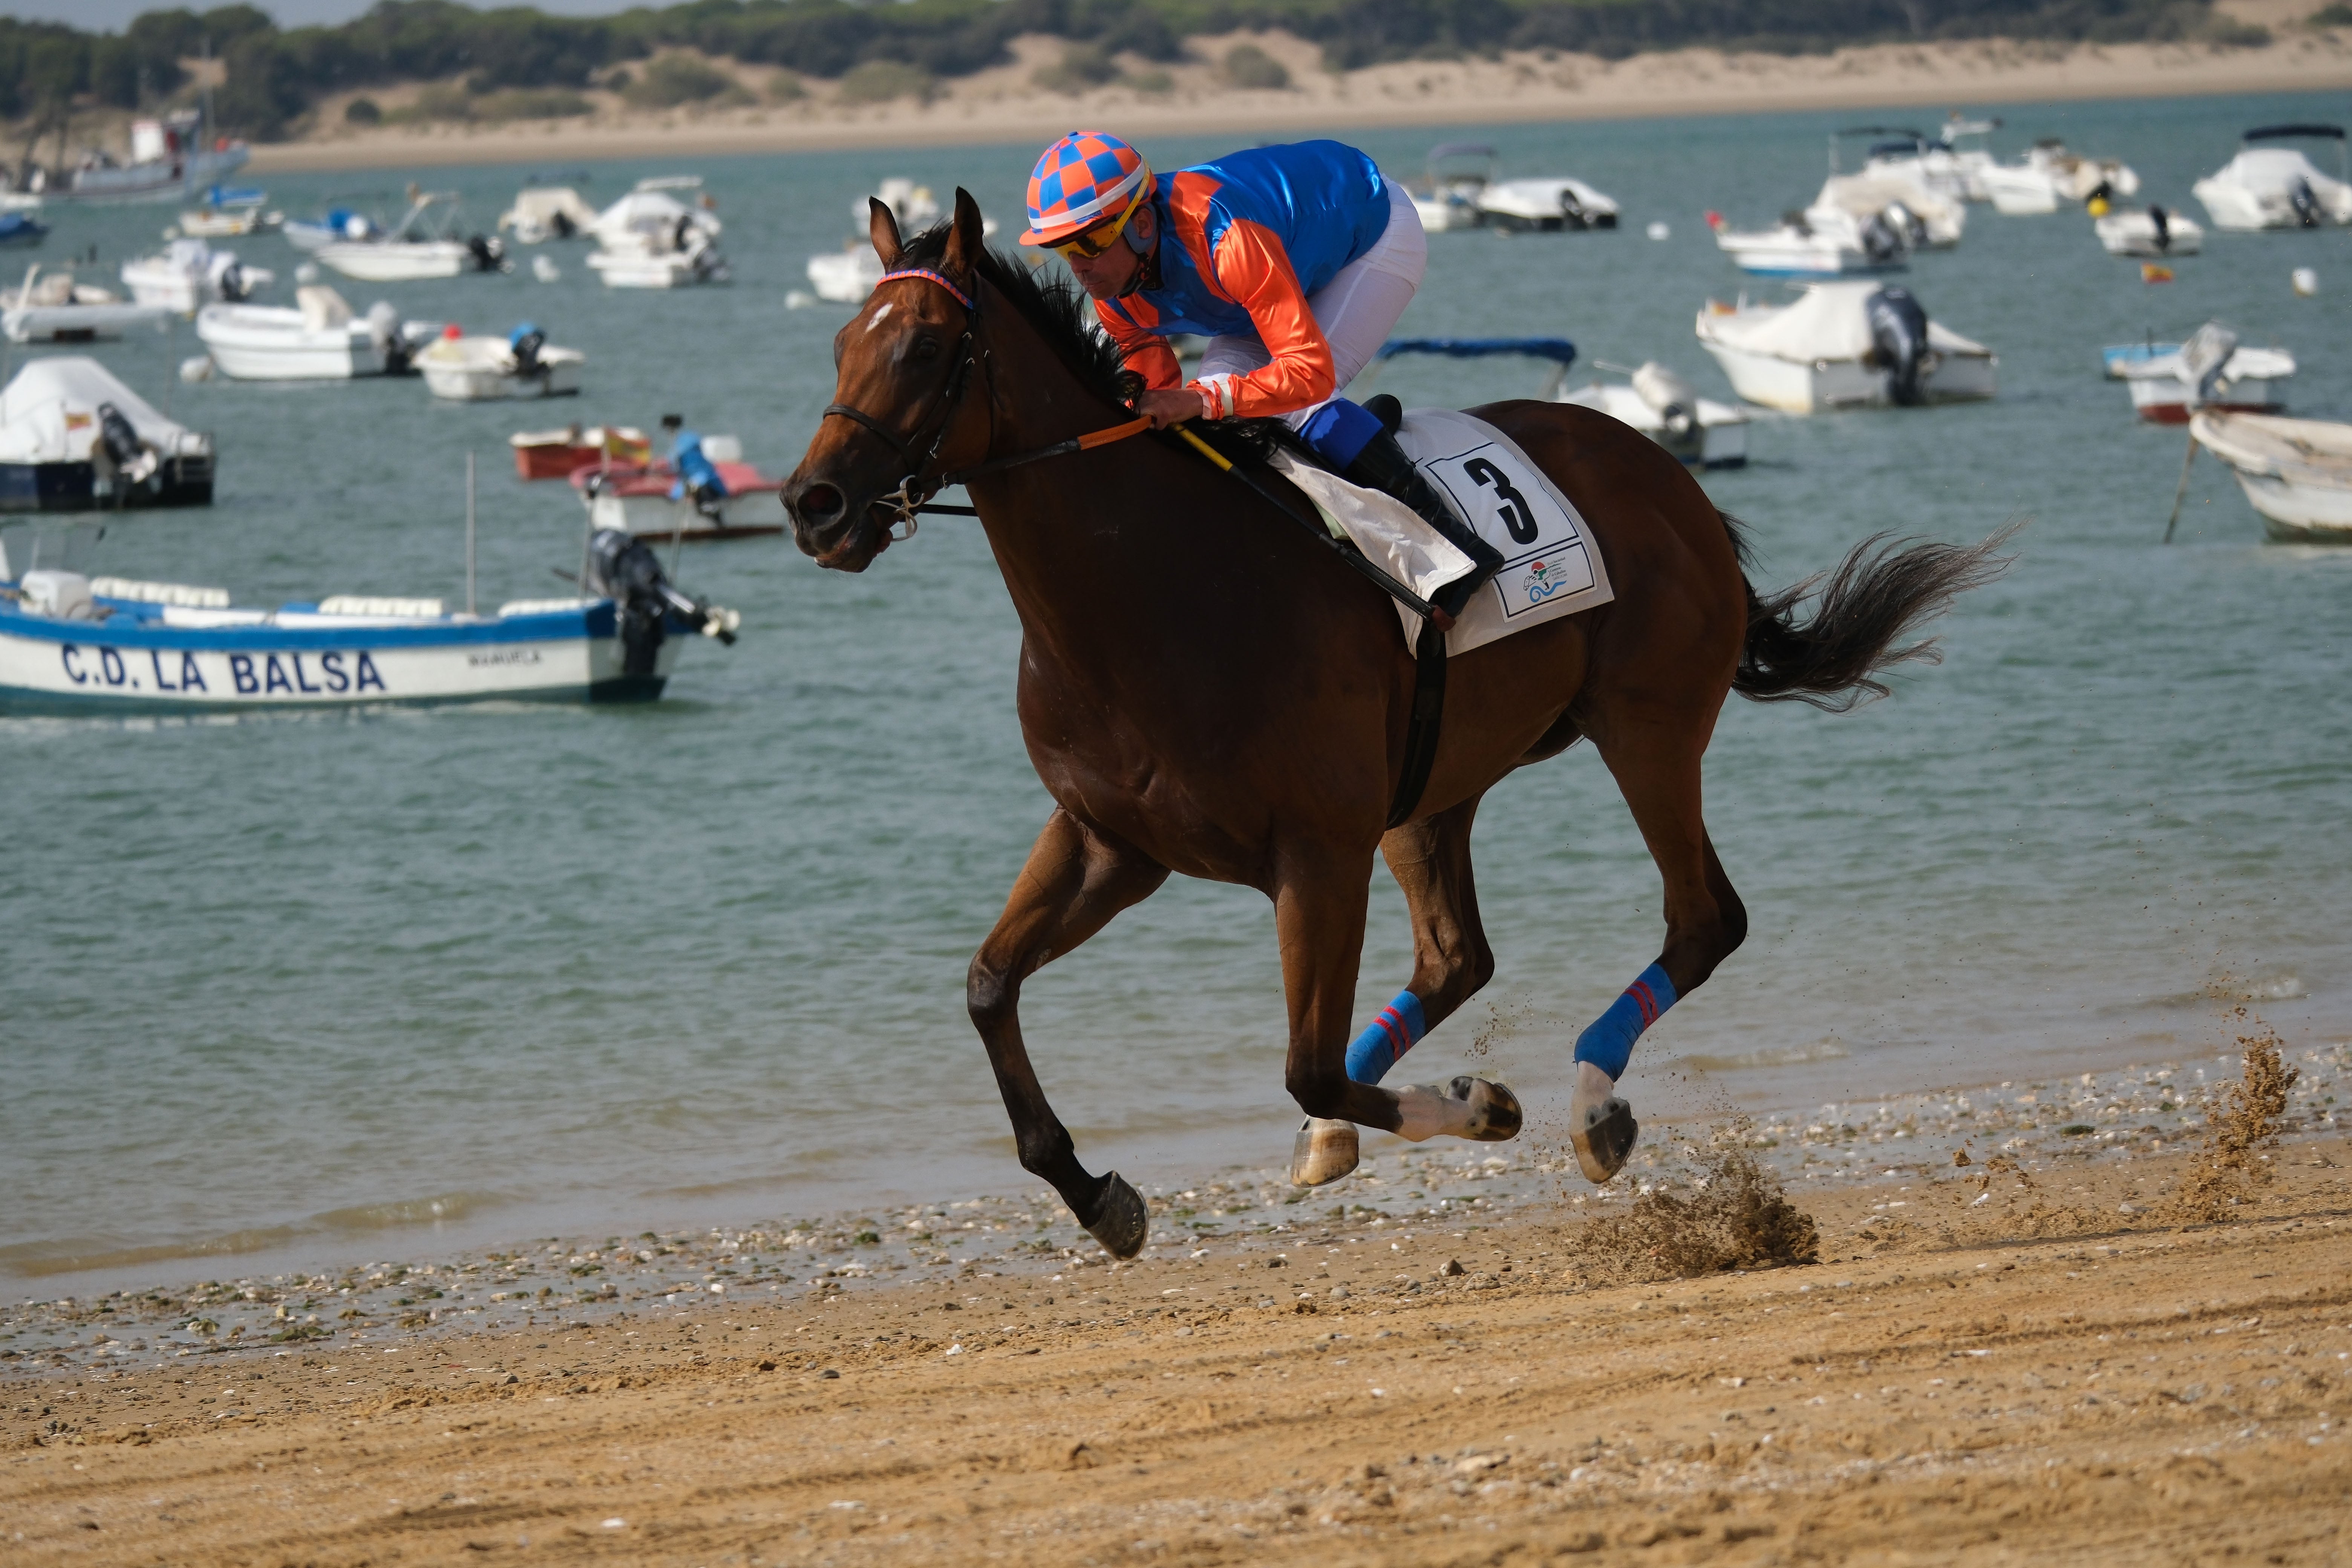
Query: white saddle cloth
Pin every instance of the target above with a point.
(1550, 567)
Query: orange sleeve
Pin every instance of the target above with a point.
(1254, 271)
(1147, 353)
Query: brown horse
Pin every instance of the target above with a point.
(1203, 691)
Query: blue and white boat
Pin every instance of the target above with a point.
(77, 645)
(22, 228)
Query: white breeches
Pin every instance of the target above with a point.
(1357, 310)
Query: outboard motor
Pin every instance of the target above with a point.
(2305, 204)
(1572, 211)
(1899, 332)
(1879, 240)
(561, 225)
(489, 253)
(2163, 222)
(1909, 224)
(228, 279)
(622, 568)
(386, 338)
(524, 343)
(1669, 394)
(125, 453)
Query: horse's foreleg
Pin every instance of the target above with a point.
(1656, 765)
(1431, 861)
(1076, 880)
(1319, 918)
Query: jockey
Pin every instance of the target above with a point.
(1294, 261)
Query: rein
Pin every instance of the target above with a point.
(905, 501)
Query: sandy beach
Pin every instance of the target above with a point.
(1004, 104)
(2096, 1344)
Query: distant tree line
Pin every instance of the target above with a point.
(274, 74)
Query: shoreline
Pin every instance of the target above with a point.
(1002, 105)
(134, 1313)
(2061, 1376)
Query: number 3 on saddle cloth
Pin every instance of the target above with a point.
(1550, 567)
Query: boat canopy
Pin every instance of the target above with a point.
(1460, 150)
(1556, 349)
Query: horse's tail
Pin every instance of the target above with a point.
(1864, 611)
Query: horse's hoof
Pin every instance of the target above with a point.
(1122, 1223)
(1326, 1151)
(1495, 1114)
(1605, 1140)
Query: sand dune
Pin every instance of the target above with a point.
(1006, 105)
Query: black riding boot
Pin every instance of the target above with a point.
(1382, 466)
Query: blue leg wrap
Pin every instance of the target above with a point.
(1396, 1031)
(1608, 1043)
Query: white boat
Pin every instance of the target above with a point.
(1924, 220)
(1668, 410)
(168, 159)
(425, 244)
(2278, 188)
(2167, 386)
(914, 206)
(339, 224)
(485, 370)
(1452, 176)
(188, 274)
(2150, 232)
(847, 275)
(317, 340)
(541, 212)
(229, 215)
(1843, 344)
(2048, 176)
(79, 645)
(2296, 473)
(74, 438)
(651, 239)
(703, 491)
(1548, 204)
(1937, 163)
(1831, 244)
(52, 308)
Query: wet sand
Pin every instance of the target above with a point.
(1004, 104)
(2028, 1357)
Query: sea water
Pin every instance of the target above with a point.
(311, 988)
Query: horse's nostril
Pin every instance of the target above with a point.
(819, 503)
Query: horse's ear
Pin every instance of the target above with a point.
(882, 227)
(967, 238)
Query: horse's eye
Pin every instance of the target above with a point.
(927, 349)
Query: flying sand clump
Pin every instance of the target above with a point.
(1733, 1214)
(2241, 1122)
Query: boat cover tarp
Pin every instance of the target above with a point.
(47, 412)
(1831, 321)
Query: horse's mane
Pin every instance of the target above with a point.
(1065, 317)
(1060, 312)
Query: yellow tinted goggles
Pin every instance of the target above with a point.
(1088, 244)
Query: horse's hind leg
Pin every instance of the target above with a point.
(1656, 760)
(1076, 880)
(1431, 861)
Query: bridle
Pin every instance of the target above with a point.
(914, 493)
(905, 500)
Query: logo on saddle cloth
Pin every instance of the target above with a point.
(1545, 552)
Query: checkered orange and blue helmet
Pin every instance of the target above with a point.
(1087, 178)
